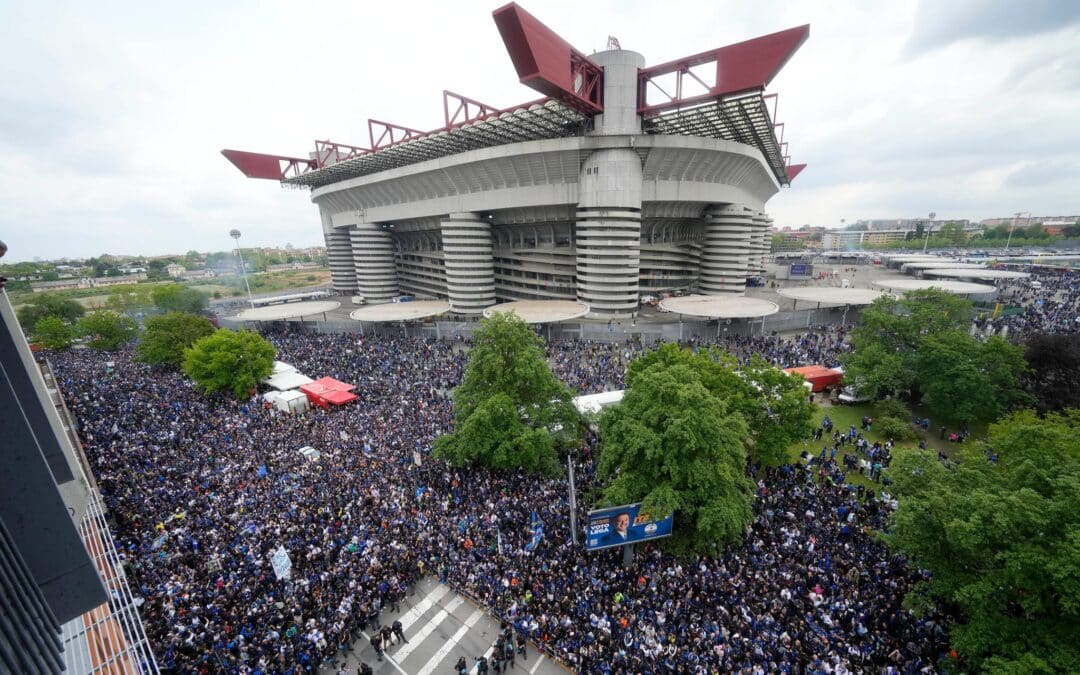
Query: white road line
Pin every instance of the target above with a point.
(537, 664)
(445, 650)
(385, 655)
(428, 629)
(424, 605)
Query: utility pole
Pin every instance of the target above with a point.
(930, 229)
(573, 498)
(1016, 219)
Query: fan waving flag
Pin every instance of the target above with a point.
(536, 527)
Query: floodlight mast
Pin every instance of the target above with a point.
(235, 234)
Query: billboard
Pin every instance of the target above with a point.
(620, 525)
(800, 270)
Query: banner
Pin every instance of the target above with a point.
(619, 525)
(282, 563)
(536, 528)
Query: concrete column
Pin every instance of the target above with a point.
(340, 258)
(759, 244)
(373, 258)
(608, 232)
(470, 268)
(726, 249)
(620, 93)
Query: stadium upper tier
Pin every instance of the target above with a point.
(624, 179)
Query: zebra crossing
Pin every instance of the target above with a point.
(441, 627)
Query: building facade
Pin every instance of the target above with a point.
(595, 195)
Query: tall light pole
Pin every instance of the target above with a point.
(235, 234)
(930, 229)
(1013, 227)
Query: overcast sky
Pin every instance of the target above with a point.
(112, 114)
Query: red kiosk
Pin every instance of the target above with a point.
(327, 391)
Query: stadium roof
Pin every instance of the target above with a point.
(966, 273)
(720, 306)
(401, 311)
(727, 103)
(541, 311)
(287, 311)
(831, 296)
(957, 287)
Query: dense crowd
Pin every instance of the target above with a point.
(1051, 305)
(202, 490)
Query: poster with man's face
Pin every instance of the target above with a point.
(621, 525)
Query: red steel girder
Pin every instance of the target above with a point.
(464, 107)
(741, 67)
(270, 167)
(330, 152)
(794, 170)
(390, 134)
(549, 64)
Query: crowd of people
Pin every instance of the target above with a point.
(1049, 302)
(201, 490)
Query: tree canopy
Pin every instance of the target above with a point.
(677, 448)
(229, 361)
(52, 332)
(1001, 539)
(772, 403)
(130, 297)
(919, 345)
(510, 410)
(48, 304)
(1054, 378)
(180, 298)
(106, 330)
(168, 335)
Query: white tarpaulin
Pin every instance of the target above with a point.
(595, 402)
(291, 401)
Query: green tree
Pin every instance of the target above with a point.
(48, 304)
(965, 380)
(887, 341)
(228, 360)
(52, 332)
(1054, 377)
(1002, 543)
(130, 298)
(108, 331)
(167, 336)
(674, 446)
(180, 298)
(510, 410)
(772, 403)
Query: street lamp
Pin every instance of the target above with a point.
(928, 231)
(235, 234)
(1013, 227)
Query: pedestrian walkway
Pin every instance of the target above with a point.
(441, 627)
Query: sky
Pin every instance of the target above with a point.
(113, 114)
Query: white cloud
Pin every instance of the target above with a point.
(113, 115)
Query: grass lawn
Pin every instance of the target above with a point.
(844, 416)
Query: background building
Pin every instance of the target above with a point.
(605, 190)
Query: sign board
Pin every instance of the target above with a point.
(282, 563)
(800, 270)
(620, 525)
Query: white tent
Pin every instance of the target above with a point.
(595, 402)
(310, 452)
(292, 401)
(287, 381)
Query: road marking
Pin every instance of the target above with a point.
(424, 605)
(537, 664)
(428, 628)
(385, 655)
(445, 650)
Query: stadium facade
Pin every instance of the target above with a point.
(625, 180)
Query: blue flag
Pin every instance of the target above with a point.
(536, 527)
(262, 471)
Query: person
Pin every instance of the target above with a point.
(364, 669)
(387, 635)
(481, 665)
(462, 666)
(377, 644)
(521, 643)
(620, 526)
(508, 653)
(399, 631)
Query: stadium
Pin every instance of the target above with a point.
(624, 180)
